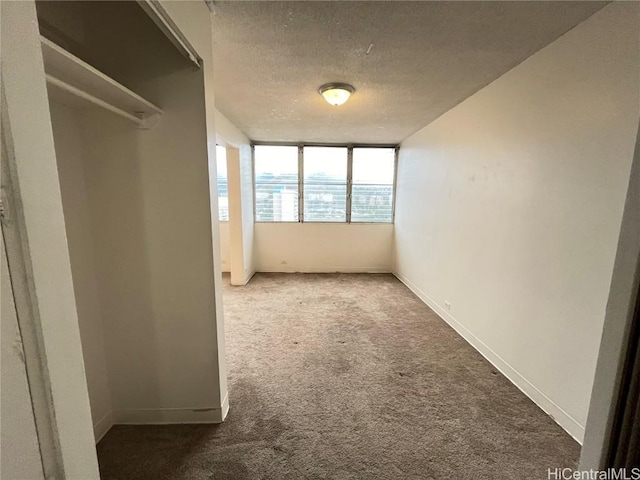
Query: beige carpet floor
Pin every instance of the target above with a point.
(342, 376)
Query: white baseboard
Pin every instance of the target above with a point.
(289, 269)
(562, 418)
(102, 426)
(166, 416)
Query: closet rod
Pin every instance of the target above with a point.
(90, 98)
(157, 13)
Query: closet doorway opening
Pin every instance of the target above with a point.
(129, 122)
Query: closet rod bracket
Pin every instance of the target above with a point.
(147, 121)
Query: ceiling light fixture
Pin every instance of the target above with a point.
(336, 93)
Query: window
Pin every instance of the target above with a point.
(372, 190)
(324, 184)
(223, 186)
(276, 182)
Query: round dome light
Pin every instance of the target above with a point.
(336, 93)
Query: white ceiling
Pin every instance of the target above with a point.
(423, 59)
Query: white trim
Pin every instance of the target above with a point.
(167, 416)
(248, 276)
(616, 330)
(224, 408)
(102, 426)
(63, 419)
(562, 418)
(283, 269)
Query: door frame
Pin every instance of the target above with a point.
(615, 344)
(38, 255)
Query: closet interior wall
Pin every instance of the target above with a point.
(138, 222)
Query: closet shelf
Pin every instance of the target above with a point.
(74, 82)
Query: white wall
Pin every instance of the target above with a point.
(323, 247)
(246, 199)
(148, 192)
(68, 144)
(227, 134)
(193, 18)
(509, 208)
(237, 236)
(225, 254)
(616, 331)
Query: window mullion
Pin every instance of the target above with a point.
(253, 180)
(300, 183)
(396, 154)
(349, 181)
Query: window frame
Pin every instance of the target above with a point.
(345, 184)
(253, 180)
(349, 147)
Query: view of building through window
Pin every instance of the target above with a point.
(276, 183)
(223, 188)
(325, 184)
(372, 190)
(321, 182)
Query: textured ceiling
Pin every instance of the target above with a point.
(409, 61)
